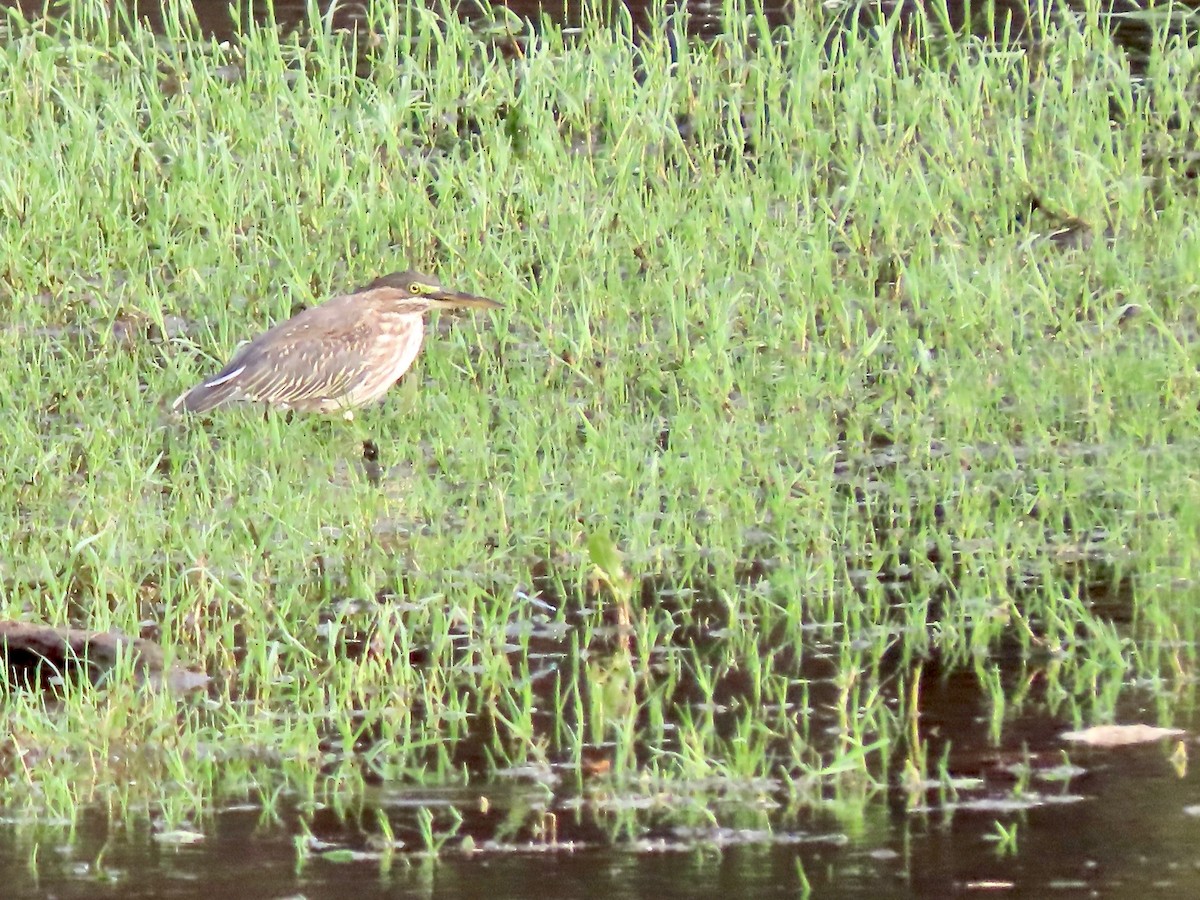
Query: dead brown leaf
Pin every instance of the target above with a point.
(1119, 735)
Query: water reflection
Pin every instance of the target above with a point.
(246, 854)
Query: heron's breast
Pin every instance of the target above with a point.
(393, 354)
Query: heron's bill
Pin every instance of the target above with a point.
(453, 299)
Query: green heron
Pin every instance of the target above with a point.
(333, 357)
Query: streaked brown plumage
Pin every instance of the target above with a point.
(334, 357)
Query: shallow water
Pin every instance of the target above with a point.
(1108, 821)
(222, 19)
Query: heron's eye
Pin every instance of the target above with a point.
(416, 288)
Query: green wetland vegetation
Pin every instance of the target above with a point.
(843, 371)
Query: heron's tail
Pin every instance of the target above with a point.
(221, 388)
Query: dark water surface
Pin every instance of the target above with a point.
(222, 19)
(1121, 822)
(1129, 834)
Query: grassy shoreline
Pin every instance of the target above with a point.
(784, 323)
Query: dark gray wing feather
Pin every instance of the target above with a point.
(297, 361)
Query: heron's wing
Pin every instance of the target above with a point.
(310, 357)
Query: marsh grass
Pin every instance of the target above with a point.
(780, 320)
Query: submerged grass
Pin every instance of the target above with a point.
(782, 317)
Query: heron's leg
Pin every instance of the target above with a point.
(371, 464)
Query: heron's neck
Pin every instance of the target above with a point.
(409, 345)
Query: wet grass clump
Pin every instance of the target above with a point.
(821, 356)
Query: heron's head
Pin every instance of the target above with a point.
(419, 293)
